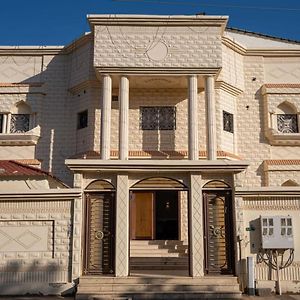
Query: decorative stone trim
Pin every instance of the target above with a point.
(271, 203)
(30, 137)
(143, 154)
(228, 88)
(22, 88)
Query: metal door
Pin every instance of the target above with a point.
(219, 248)
(100, 227)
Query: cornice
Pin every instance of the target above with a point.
(31, 50)
(22, 88)
(81, 41)
(268, 191)
(42, 194)
(280, 88)
(228, 88)
(84, 85)
(157, 20)
(156, 165)
(156, 71)
(266, 52)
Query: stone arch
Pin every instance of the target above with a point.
(100, 185)
(21, 107)
(159, 183)
(290, 182)
(216, 184)
(286, 107)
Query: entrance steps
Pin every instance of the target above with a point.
(158, 255)
(135, 288)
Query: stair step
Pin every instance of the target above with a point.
(208, 280)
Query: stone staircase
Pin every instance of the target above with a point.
(139, 288)
(158, 255)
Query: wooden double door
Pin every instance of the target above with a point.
(100, 233)
(218, 232)
(154, 215)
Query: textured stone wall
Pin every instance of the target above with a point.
(35, 246)
(251, 143)
(180, 47)
(232, 68)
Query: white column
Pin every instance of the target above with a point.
(193, 117)
(123, 117)
(8, 123)
(196, 243)
(105, 117)
(122, 227)
(4, 124)
(211, 134)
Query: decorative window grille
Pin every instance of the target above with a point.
(19, 123)
(158, 118)
(287, 123)
(227, 121)
(82, 119)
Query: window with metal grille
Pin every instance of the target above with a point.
(227, 121)
(19, 123)
(287, 123)
(82, 119)
(158, 118)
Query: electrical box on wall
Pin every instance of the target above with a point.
(277, 232)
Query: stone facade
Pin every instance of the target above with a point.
(193, 64)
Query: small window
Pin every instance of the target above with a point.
(227, 121)
(19, 123)
(287, 123)
(82, 119)
(158, 118)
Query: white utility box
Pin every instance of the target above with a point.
(277, 232)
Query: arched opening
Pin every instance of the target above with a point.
(287, 118)
(218, 228)
(290, 183)
(159, 226)
(99, 228)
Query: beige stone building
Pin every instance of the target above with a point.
(172, 138)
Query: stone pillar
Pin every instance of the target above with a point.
(122, 227)
(105, 117)
(211, 134)
(4, 124)
(123, 117)
(196, 245)
(8, 123)
(193, 117)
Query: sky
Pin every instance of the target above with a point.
(59, 22)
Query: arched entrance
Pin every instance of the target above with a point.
(99, 228)
(158, 226)
(218, 228)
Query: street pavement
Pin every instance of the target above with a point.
(244, 297)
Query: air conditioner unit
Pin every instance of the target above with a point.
(277, 232)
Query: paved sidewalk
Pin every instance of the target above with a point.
(244, 297)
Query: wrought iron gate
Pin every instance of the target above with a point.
(219, 247)
(99, 238)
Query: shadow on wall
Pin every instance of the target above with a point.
(158, 142)
(19, 278)
(55, 115)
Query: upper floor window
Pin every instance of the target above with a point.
(82, 119)
(19, 120)
(19, 123)
(158, 118)
(227, 121)
(287, 119)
